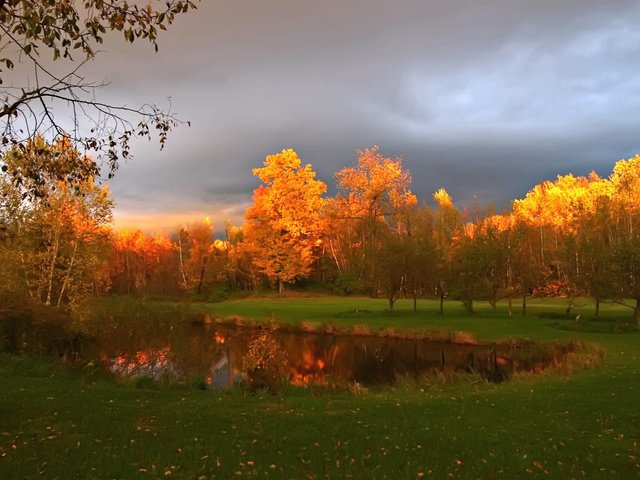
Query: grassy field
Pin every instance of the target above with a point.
(57, 423)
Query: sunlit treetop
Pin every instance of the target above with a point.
(375, 185)
(495, 224)
(561, 204)
(291, 196)
(625, 181)
(442, 198)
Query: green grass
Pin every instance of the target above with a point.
(486, 324)
(57, 423)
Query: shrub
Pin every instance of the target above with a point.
(265, 366)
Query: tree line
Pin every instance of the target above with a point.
(573, 236)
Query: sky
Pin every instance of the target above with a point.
(485, 98)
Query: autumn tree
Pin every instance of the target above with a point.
(372, 195)
(60, 239)
(421, 260)
(143, 263)
(283, 226)
(200, 252)
(625, 230)
(478, 264)
(448, 229)
(71, 33)
(571, 215)
(526, 270)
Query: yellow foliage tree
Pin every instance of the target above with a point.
(369, 214)
(283, 226)
(375, 188)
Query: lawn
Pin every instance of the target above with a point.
(61, 423)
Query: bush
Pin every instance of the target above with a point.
(26, 326)
(349, 284)
(265, 366)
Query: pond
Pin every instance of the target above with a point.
(215, 354)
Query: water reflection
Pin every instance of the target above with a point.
(152, 363)
(215, 355)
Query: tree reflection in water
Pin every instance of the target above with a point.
(215, 354)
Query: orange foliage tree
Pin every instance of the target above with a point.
(368, 217)
(59, 235)
(448, 227)
(199, 257)
(283, 226)
(570, 248)
(142, 263)
(625, 230)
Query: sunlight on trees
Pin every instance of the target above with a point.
(59, 238)
(284, 227)
(574, 236)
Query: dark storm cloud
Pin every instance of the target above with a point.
(484, 98)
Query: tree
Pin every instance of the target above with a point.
(60, 241)
(199, 252)
(448, 228)
(142, 264)
(625, 231)
(372, 197)
(526, 270)
(476, 264)
(71, 32)
(421, 252)
(283, 226)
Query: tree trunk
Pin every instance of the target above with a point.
(597, 306)
(54, 257)
(468, 305)
(415, 301)
(392, 301)
(202, 269)
(184, 277)
(335, 257)
(66, 277)
(524, 305)
(636, 313)
(280, 286)
(441, 302)
(510, 306)
(128, 272)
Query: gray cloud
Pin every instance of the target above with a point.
(484, 98)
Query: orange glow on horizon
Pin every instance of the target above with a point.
(171, 222)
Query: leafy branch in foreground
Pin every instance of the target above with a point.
(36, 98)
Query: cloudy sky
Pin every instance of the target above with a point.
(483, 97)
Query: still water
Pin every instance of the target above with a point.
(214, 354)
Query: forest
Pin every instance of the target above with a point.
(572, 236)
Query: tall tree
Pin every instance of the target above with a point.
(448, 228)
(283, 226)
(371, 199)
(625, 230)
